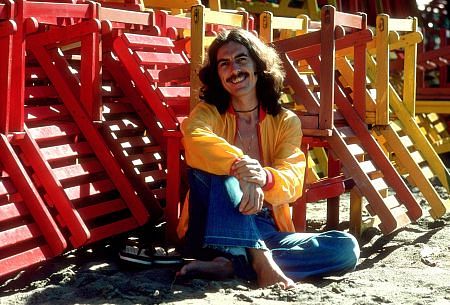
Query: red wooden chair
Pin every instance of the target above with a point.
(28, 233)
(55, 108)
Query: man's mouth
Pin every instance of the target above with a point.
(237, 78)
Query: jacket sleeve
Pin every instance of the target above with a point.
(204, 148)
(288, 164)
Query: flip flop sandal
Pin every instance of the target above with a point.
(166, 256)
(134, 253)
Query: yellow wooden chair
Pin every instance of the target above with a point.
(392, 117)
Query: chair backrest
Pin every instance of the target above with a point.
(200, 17)
(387, 39)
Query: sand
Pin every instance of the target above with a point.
(410, 266)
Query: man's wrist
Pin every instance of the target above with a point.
(269, 180)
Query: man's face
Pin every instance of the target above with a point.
(236, 70)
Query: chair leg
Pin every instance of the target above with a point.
(355, 212)
(334, 168)
(299, 216)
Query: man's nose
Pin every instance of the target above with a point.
(235, 66)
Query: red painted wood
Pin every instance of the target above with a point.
(167, 119)
(89, 189)
(37, 92)
(19, 234)
(90, 75)
(24, 259)
(156, 58)
(159, 44)
(89, 167)
(65, 151)
(45, 9)
(7, 28)
(6, 187)
(55, 192)
(115, 228)
(31, 197)
(49, 132)
(100, 209)
(90, 132)
(13, 210)
(41, 113)
(173, 182)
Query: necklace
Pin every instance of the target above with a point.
(243, 111)
(246, 151)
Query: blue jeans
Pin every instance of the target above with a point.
(216, 227)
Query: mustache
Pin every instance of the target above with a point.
(240, 74)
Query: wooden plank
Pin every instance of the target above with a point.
(40, 113)
(128, 126)
(114, 228)
(356, 150)
(24, 259)
(59, 152)
(176, 73)
(117, 107)
(152, 75)
(160, 193)
(19, 234)
(39, 92)
(34, 73)
(125, 16)
(53, 131)
(155, 58)
(89, 189)
(147, 158)
(13, 210)
(7, 187)
(154, 176)
(174, 92)
(78, 170)
(146, 41)
(100, 209)
(136, 142)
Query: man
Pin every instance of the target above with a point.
(246, 167)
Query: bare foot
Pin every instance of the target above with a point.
(267, 271)
(219, 268)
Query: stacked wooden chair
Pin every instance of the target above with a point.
(350, 141)
(393, 117)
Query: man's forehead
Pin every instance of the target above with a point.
(231, 49)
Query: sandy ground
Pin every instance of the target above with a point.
(411, 266)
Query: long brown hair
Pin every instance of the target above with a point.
(268, 68)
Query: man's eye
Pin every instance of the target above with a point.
(223, 64)
(241, 60)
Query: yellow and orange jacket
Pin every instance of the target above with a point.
(208, 137)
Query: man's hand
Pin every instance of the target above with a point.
(249, 170)
(252, 199)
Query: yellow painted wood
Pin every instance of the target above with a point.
(282, 9)
(199, 17)
(288, 27)
(169, 4)
(427, 106)
(382, 71)
(355, 212)
(438, 206)
(265, 27)
(322, 160)
(424, 173)
(412, 129)
(197, 51)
